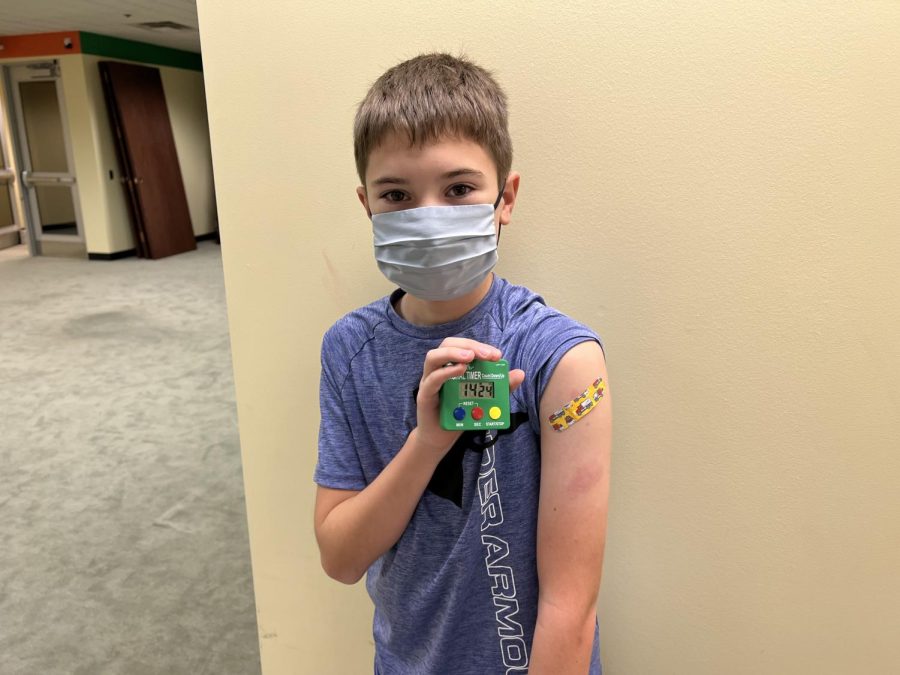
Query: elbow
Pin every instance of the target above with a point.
(348, 577)
(576, 615)
(338, 557)
(344, 573)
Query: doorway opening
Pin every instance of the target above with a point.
(44, 155)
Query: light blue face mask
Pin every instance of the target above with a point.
(437, 252)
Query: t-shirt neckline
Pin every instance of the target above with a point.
(442, 330)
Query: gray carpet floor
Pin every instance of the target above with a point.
(123, 536)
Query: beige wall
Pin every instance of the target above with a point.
(186, 100)
(79, 105)
(724, 176)
(107, 227)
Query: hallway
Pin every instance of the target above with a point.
(123, 536)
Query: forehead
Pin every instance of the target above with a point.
(396, 156)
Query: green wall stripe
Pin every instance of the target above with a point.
(129, 50)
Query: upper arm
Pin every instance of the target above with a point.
(574, 488)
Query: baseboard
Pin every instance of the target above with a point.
(214, 235)
(55, 227)
(112, 256)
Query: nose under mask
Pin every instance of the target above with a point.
(436, 252)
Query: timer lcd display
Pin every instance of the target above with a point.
(476, 389)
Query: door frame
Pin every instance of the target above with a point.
(20, 142)
(8, 167)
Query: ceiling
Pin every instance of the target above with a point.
(117, 18)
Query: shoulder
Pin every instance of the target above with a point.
(536, 339)
(581, 369)
(515, 304)
(534, 329)
(350, 334)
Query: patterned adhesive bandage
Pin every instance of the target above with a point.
(579, 407)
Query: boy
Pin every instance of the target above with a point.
(482, 550)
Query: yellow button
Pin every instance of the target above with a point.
(495, 413)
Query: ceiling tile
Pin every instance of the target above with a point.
(106, 17)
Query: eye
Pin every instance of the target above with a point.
(459, 190)
(394, 196)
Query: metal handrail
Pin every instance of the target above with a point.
(30, 178)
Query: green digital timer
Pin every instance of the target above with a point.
(478, 399)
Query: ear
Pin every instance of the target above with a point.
(364, 200)
(510, 190)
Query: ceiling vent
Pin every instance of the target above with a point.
(165, 26)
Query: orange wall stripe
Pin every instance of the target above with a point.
(39, 44)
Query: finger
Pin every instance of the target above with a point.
(484, 351)
(431, 383)
(438, 358)
(516, 378)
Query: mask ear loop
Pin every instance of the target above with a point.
(499, 225)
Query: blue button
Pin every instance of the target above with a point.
(460, 413)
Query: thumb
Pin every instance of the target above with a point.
(516, 378)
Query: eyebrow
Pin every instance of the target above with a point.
(393, 180)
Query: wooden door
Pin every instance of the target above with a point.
(149, 164)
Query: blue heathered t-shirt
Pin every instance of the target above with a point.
(457, 594)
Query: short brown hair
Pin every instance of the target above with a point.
(428, 97)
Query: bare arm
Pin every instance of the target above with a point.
(353, 528)
(571, 517)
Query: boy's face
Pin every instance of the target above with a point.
(451, 171)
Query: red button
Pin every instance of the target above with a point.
(477, 413)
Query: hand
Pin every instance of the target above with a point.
(458, 352)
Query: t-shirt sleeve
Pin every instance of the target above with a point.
(338, 463)
(549, 339)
